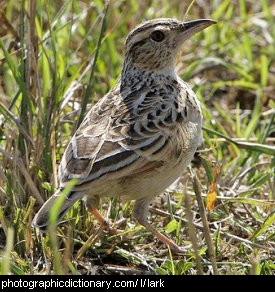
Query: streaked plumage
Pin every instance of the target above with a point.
(139, 138)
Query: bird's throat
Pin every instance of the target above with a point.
(132, 76)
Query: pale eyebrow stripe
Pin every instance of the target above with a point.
(148, 26)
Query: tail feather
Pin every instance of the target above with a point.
(41, 219)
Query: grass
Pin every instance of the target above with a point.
(57, 58)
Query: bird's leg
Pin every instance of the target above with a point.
(102, 220)
(140, 213)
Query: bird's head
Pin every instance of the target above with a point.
(154, 45)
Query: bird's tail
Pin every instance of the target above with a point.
(41, 219)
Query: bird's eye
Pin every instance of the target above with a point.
(157, 36)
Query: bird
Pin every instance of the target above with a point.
(140, 137)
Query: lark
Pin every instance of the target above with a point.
(139, 138)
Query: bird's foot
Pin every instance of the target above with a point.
(179, 249)
(173, 246)
(104, 223)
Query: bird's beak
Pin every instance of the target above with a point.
(191, 27)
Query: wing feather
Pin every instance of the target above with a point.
(120, 130)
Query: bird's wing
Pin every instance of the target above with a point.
(122, 134)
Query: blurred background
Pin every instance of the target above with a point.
(57, 57)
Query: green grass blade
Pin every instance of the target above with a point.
(221, 9)
(270, 150)
(5, 265)
(89, 89)
(264, 70)
(268, 222)
(253, 124)
(53, 217)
